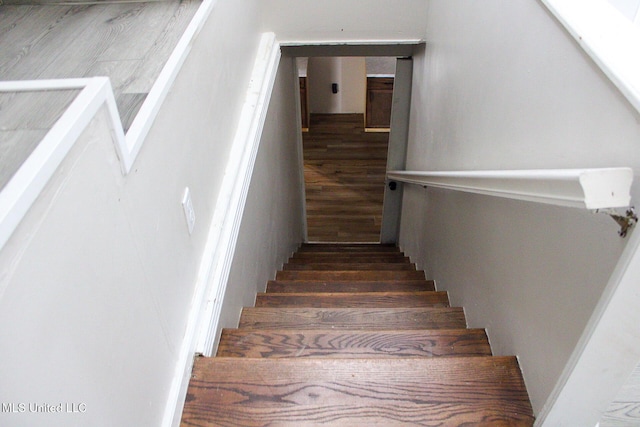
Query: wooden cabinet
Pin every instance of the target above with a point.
(379, 100)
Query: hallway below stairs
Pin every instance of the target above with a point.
(354, 335)
(344, 173)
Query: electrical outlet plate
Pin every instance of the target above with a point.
(189, 213)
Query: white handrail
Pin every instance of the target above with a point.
(150, 108)
(26, 184)
(600, 188)
(24, 187)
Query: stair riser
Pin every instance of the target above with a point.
(346, 286)
(353, 344)
(355, 318)
(344, 300)
(349, 266)
(361, 248)
(350, 275)
(351, 258)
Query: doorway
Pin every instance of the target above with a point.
(346, 109)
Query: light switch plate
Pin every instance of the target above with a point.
(189, 213)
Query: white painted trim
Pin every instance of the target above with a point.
(24, 187)
(230, 204)
(20, 192)
(40, 85)
(348, 47)
(151, 106)
(300, 150)
(223, 232)
(397, 149)
(582, 188)
(26, 184)
(609, 38)
(349, 42)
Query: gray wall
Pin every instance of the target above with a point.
(501, 85)
(97, 282)
(272, 223)
(349, 73)
(331, 20)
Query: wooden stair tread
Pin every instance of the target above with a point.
(347, 335)
(319, 210)
(347, 266)
(352, 318)
(349, 286)
(319, 257)
(351, 275)
(358, 247)
(350, 258)
(323, 246)
(353, 344)
(353, 299)
(347, 392)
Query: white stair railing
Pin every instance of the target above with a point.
(26, 184)
(600, 188)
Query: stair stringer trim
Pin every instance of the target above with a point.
(227, 215)
(610, 39)
(217, 257)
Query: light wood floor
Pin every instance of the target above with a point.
(128, 42)
(25, 118)
(344, 169)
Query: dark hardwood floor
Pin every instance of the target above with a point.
(344, 169)
(362, 355)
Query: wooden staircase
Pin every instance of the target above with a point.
(353, 335)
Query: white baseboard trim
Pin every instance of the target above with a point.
(235, 185)
(223, 232)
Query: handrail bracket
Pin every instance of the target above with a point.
(626, 221)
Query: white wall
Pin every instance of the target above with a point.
(618, 412)
(334, 20)
(381, 66)
(353, 85)
(501, 85)
(97, 282)
(628, 8)
(272, 223)
(350, 75)
(322, 72)
(302, 66)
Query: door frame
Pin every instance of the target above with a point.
(397, 151)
